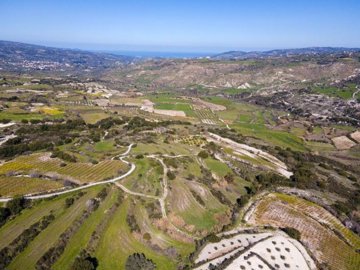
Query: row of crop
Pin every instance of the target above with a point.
(81, 171)
(206, 114)
(334, 252)
(11, 185)
(8, 253)
(320, 213)
(54, 253)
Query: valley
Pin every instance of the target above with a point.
(250, 162)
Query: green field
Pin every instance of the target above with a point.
(81, 238)
(201, 218)
(93, 117)
(344, 93)
(186, 108)
(146, 178)
(47, 238)
(118, 243)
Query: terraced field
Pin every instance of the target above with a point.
(12, 186)
(47, 238)
(117, 243)
(77, 172)
(208, 117)
(319, 229)
(198, 216)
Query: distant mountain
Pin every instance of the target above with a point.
(312, 51)
(22, 57)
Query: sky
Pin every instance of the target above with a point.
(182, 25)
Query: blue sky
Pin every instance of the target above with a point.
(182, 25)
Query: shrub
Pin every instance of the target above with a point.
(147, 236)
(292, 232)
(131, 221)
(16, 205)
(69, 202)
(138, 261)
(4, 214)
(203, 154)
(171, 175)
(85, 262)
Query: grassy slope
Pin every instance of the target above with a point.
(118, 243)
(81, 238)
(146, 177)
(249, 120)
(16, 226)
(47, 238)
(158, 236)
(93, 117)
(183, 204)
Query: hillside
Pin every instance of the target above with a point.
(22, 57)
(312, 51)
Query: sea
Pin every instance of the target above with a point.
(156, 54)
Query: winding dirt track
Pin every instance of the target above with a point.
(161, 198)
(52, 194)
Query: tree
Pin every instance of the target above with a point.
(85, 262)
(4, 214)
(69, 202)
(16, 205)
(138, 261)
(203, 154)
(170, 175)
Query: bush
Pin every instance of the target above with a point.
(138, 261)
(16, 205)
(85, 262)
(69, 202)
(341, 207)
(5, 121)
(292, 232)
(131, 221)
(62, 155)
(203, 154)
(4, 214)
(170, 175)
(147, 236)
(102, 194)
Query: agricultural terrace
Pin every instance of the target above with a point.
(323, 235)
(205, 112)
(43, 164)
(107, 232)
(19, 185)
(255, 121)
